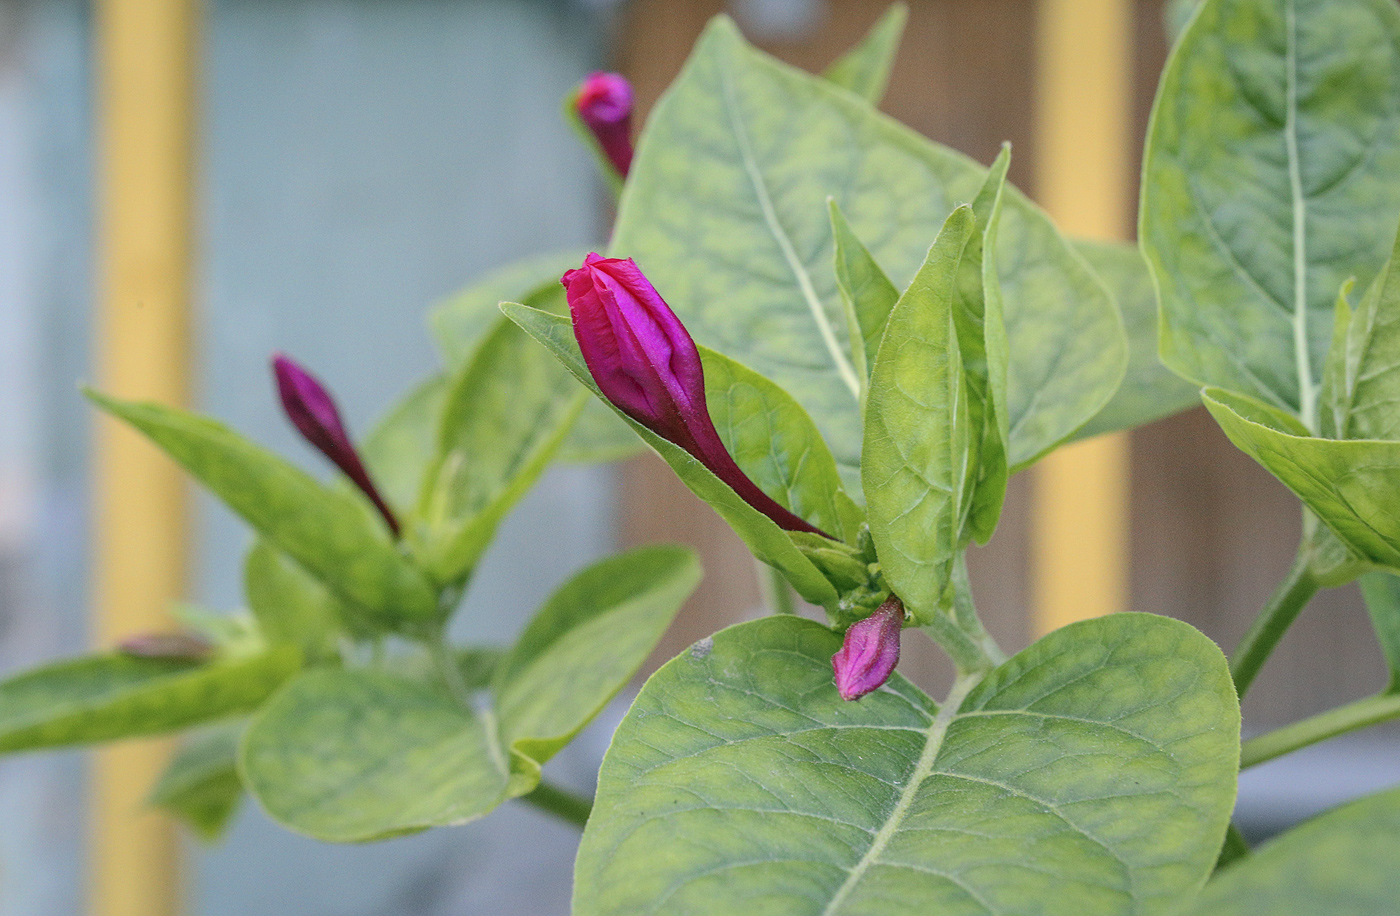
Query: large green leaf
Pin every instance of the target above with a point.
(1093, 773)
(326, 530)
(107, 697)
(1269, 178)
(200, 786)
(764, 538)
(916, 460)
(1361, 383)
(357, 755)
(1341, 863)
(865, 69)
(726, 211)
(1352, 486)
(506, 414)
(1150, 391)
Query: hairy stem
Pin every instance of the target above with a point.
(561, 803)
(1292, 595)
(1351, 717)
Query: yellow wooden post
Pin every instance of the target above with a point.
(146, 53)
(1079, 530)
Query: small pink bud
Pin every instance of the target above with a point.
(604, 105)
(189, 646)
(646, 364)
(871, 650)
(312, 411)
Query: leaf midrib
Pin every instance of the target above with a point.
(775, 228)
(1307, 395)
(937, 730)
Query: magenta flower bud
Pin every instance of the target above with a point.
(647, 365)
(312, 411)
(870, 652)
(604, 105)
(189, 646)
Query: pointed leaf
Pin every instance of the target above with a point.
(1268, 179)
(867, 295)
(1092, 773)
(290, 605)
(764, 538)
(865, 69)
(327, 531)
(1341, 863)
(915, 462)
(1150, 391)
(1362, 379)
(107, 697)
(200, 786)
(725, 210)
(1349, 485)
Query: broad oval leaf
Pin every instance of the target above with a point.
(1150, 391)
(726, 211)
(108, 697)
(1269, 178)
(1349, 484)
(1341, 863)
(915, 464)
(1092, 773)
(327, 530)
(345, 756)
(764, 538)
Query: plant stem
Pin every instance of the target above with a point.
(777, 594)
(1292, 595)
(561, 803)
(447, 667)
(965, 613)
(1361, 714)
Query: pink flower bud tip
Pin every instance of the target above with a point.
(312, 411)
(604, 105)
(647, 365)
(868, 656)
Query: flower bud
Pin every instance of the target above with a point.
(312, 411)
(604, 105)
(188, 646)
(871, 650)
(647, 365)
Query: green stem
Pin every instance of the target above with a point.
(1292, 595)
(561, 803)
(447, 667)
(777, 594)
(965, 613)
(1234, 848)
(1361, 714)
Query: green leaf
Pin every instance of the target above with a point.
(107, 697)
(1092, 773)
(290, 605)
(726, 211)
(916, 459)
(777, 445)
(461, 322)
(1361, 383)
(325, 530)
(598, 436)
(764, 538)
(506, 415)
(200, 786)
(346, 756)
(1150, 391)
(400, 448)
(1382, 594)
(865, 69)
(867, 295)
(584, 644)
(1269, 178)
(1349, 485)
(1341, 863)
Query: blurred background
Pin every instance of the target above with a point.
(357, 160)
